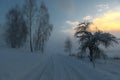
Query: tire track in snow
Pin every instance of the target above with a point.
(49, 71)
(73, 73)
(36, 72)
(60, 71)
(59, 67)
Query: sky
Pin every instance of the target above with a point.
(66, 14)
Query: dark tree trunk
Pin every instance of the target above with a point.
(31, 47)
(91, 53)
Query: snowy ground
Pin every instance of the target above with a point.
(17, 65)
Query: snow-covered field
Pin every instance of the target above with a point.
(22, 65)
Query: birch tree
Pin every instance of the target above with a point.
(44, 29)
(29, 9)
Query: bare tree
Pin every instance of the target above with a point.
(68, 45)
(16, 29)
(29, 9)
(44, 29)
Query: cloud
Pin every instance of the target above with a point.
(102, 7)
(70, 28)
(68, 31)
(109, 21)
(73, 23)
(87, 18)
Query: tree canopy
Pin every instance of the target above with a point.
(92, 40)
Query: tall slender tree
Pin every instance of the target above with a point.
(29, 9)
(16, 29)
(44, 29)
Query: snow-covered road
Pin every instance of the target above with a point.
(52, 67)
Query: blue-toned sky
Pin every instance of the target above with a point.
(65, 14)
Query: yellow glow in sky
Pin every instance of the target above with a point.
(108, 22)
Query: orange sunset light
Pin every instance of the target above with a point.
(109, 21)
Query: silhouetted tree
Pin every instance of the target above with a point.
(44, 29)
(91, 41)
(68, 45)
(16, 29)
(29, 9)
